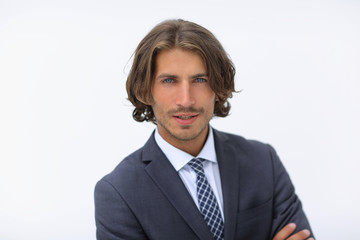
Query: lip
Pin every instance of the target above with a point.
(187, 121)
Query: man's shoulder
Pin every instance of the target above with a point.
(253, 154)
(135, 162)
(238, 141)
(254, 151)
(125, 166)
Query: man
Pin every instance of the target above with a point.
(190, 181)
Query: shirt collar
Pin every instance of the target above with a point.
(179, 158)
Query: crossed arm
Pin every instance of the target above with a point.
(285, 192)
(289, 229)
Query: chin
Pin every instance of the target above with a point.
(186, 136)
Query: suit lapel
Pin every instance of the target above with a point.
(229, 167)
(167, 179)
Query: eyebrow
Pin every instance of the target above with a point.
(166, 75)
(199, 75)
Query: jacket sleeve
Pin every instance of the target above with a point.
(114, 219)
(287, 207)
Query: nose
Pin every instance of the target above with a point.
(185, 96)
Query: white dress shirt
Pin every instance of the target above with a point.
(179, 160)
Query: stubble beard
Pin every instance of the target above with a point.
(177, 136)
(184, 139)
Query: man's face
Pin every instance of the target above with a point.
(183, 101)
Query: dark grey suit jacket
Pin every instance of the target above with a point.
(144, 197)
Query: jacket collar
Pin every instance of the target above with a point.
(228, 157)
(165, 176)
(167, 179)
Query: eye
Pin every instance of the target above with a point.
(168, 80)
(200, 80)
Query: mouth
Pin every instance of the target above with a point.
(186, 115)
(186, 118)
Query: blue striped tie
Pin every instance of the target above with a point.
(209, 207)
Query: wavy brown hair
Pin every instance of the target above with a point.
(187, 36)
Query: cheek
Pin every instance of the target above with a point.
(212, 98)
(210, 106)
(160, 105)
(162, 96)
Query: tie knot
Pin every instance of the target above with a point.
(197, 165)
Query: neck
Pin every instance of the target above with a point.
(191, 146)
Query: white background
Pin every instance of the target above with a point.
(65, 121)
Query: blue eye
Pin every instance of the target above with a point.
(168, 80)
(200, 80)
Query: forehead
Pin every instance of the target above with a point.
(179, 59)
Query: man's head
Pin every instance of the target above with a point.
(184, 35)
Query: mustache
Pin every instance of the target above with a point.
(186, 110)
